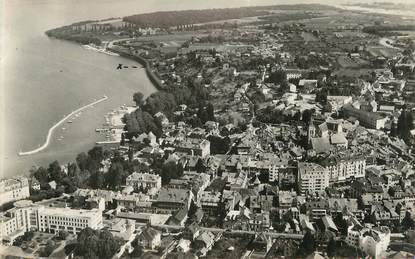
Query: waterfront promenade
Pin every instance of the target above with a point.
(50, 132)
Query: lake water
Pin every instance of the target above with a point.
(44, 79)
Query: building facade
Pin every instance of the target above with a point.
(194, 147)
(368, 119)
(144, 181)
(27, 216)
(345, 169)
(53, 220)
(13, 190)
(312, 178)
(372, 241)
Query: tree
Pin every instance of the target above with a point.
(307, 114)
(331, 248)
(160, 102)
(50, 246)
(107, 245)
(73, 169)
(62, 235)
(405, 125)
(139, 122)
(210, 112)
(278, 77)
(408, 222)
(202, 114)
(219, 145)
(321, 97)
(394, 130)
(116, 176)
(138, 98)
(41, 174)
(138, 251)
(82, 161)
(263, 177)
(55, 172)
(170, 170)
(192, 211)
(341, 223)
(96, 244)
(307, 245)
(200, 166)
(96, 154)
(27, 236)
(97, 180)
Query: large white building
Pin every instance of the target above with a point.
(342, 169)
(372, 241)
(312, 178)
(53, 220)
(13, 190)
(144, 181)
(28, 216)
(371, 120)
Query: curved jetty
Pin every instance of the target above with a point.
(45, 145)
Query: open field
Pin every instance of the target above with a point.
(308, 36)
(350, 72)
(379, 51)
(347, 62)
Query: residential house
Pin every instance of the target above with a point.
(149, 238)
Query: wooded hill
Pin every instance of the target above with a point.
(168, 19)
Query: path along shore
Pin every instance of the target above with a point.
(50, 132)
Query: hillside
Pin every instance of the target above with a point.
(176, 18)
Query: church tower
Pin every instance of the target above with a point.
(311, 130)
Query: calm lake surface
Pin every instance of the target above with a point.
(44, 79)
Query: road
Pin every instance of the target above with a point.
(384, 42)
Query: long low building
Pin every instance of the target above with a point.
(28, 216)
(53, 220)
(371, 120)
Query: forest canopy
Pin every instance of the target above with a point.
(169, 19)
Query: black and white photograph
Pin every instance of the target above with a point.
(217, 129)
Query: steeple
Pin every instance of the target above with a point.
(311, 130)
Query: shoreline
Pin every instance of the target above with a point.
(50, 132)
(154, 79)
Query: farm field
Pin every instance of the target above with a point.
(347, 62)
(379, 51)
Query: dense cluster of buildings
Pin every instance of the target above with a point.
(278, 163)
